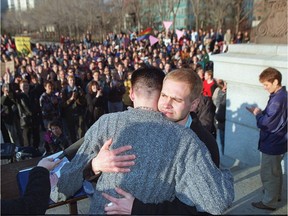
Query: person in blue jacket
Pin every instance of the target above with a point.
(272, 122)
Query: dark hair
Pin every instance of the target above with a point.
(93, 82)
(55, 123)
(48, 82)
(150, 78)
(270, 74)
(220, 83)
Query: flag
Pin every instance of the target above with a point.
(179, 33)
(167, 24)
(153, 40)
(23, 45)
(144, 34)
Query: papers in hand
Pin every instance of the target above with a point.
(56, 172)
(57, 169)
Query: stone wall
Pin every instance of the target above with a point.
(273, 28)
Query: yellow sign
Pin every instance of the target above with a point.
(23, 45)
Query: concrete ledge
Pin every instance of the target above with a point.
(250, 59)
(259, 49)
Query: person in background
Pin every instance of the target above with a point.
(246, 37)
(228, 37)
(209, 84)
(55, 139)
(121, 74)
(204, 59)
(35, 91)
(219, 100)
(25, 112)
(200, 72)
(206, 112)
(206, 109)
(50, 104)
(73, 108)
(115, 94)
(238, 38)
(167, 68)
(95, 103)
(9, 115)
(126, 99)
(36, 197)
(272, 122)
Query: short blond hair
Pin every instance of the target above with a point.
(189, 77)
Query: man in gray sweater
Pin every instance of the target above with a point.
(171, 160)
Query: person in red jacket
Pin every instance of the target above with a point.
(209, 84)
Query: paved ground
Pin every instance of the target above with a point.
(247, 189)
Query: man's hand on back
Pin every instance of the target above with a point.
(110, 161)
(119, 206)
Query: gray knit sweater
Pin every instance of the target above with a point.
(170, 161)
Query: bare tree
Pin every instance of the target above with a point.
(242, 13)
(196, 12)
(136, 7)
(173, 6)
(13, 22)
(88, 19)
(162, 9)
(73, 17)
(218, 11)
(49, 13)
(147, 13)
(69, 17)
(151, 14)
(116, 13)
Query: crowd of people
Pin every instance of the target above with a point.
(74, 83)
(63, 89)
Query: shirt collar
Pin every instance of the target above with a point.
(189, 122)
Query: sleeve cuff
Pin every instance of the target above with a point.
(88, 173)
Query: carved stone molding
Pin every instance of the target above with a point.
(273, 28)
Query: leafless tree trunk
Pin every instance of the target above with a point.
(117, 12)
(162, 9)
(74, 17)
(13, 22)
(173, 8)
(241, 14)
(218, 11)
(196, 12)
(136, 7)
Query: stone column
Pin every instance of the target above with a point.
(273, 28)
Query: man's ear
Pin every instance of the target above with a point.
(194, 105)
(131, 94)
